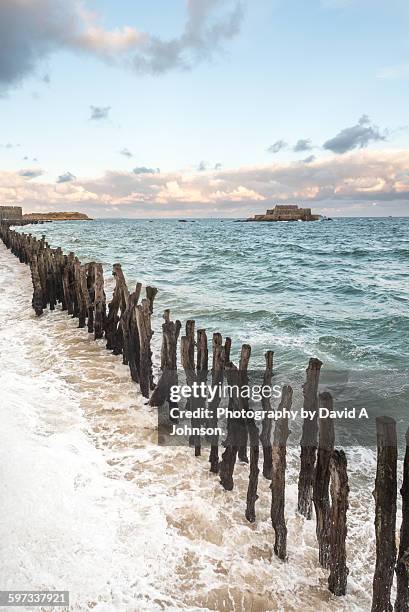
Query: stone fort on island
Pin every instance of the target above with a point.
(286, 212)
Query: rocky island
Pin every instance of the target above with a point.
(14, 214)
(57, 216)
(287, 213)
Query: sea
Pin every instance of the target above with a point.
(92, 504)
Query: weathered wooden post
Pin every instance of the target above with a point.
(60, 263)
(85, 303)
(202, 364)
(243, 402)
(150, 296)
(277, 486)
(227, 349)
(226, 465)
(169, 377)
(90, 273)
(309, 438)
(236, 432)
(126, 327)
(82, 306)
(187, 354)
(118, 304)
(100, 303)
(72, 284)
(385, 513)
(37, 301)
(143, 321)
(43, 276)
(50, 278)
(219, 360)
(337, 581)
(402, 590)
(321, 480)
(252, 495)
(66, 280)
(133, 346)
(267, 423)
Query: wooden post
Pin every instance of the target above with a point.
(321, 480)
(385, 513)
(150, 296)
(90, 270)
(125, 324)
(227, 349)
(143, 320)
(226, 465)
(243, 402)
(337, 581)
(50, 278)
(169, 377)
(79, 286)
(43, 276)
(267, 423)
(60, 263)
(72, 284)
(67, 290)
(219, 360)
(402, 590)
(252, 495)
(37, 301)
(84, 295)
(117, 306)
(202, 366)
(277, 486)
(133, 348)
(237, 433)
(187, 354)
(309, 439)
(100, 303)
(202, 363)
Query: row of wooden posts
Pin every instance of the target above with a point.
(125, 323)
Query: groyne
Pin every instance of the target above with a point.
(125, 324)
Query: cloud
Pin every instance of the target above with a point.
(202, 166)
(309, 159)
(67, 177)
(348, 184)
(277, 146)
(145, 170)
(99, 112)
(304, 144)
(356, 137)
(126, 152)
(9, 145)
(201, 37)
(218, 166)
(31, 31)
(30, 173)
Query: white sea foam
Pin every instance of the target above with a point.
(91, 504)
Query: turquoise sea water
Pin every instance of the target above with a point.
(337, 290)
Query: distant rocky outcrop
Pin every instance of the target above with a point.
(57, 216)
(287, 213)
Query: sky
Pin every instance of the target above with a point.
(204, 108)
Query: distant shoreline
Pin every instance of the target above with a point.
(56, 216)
